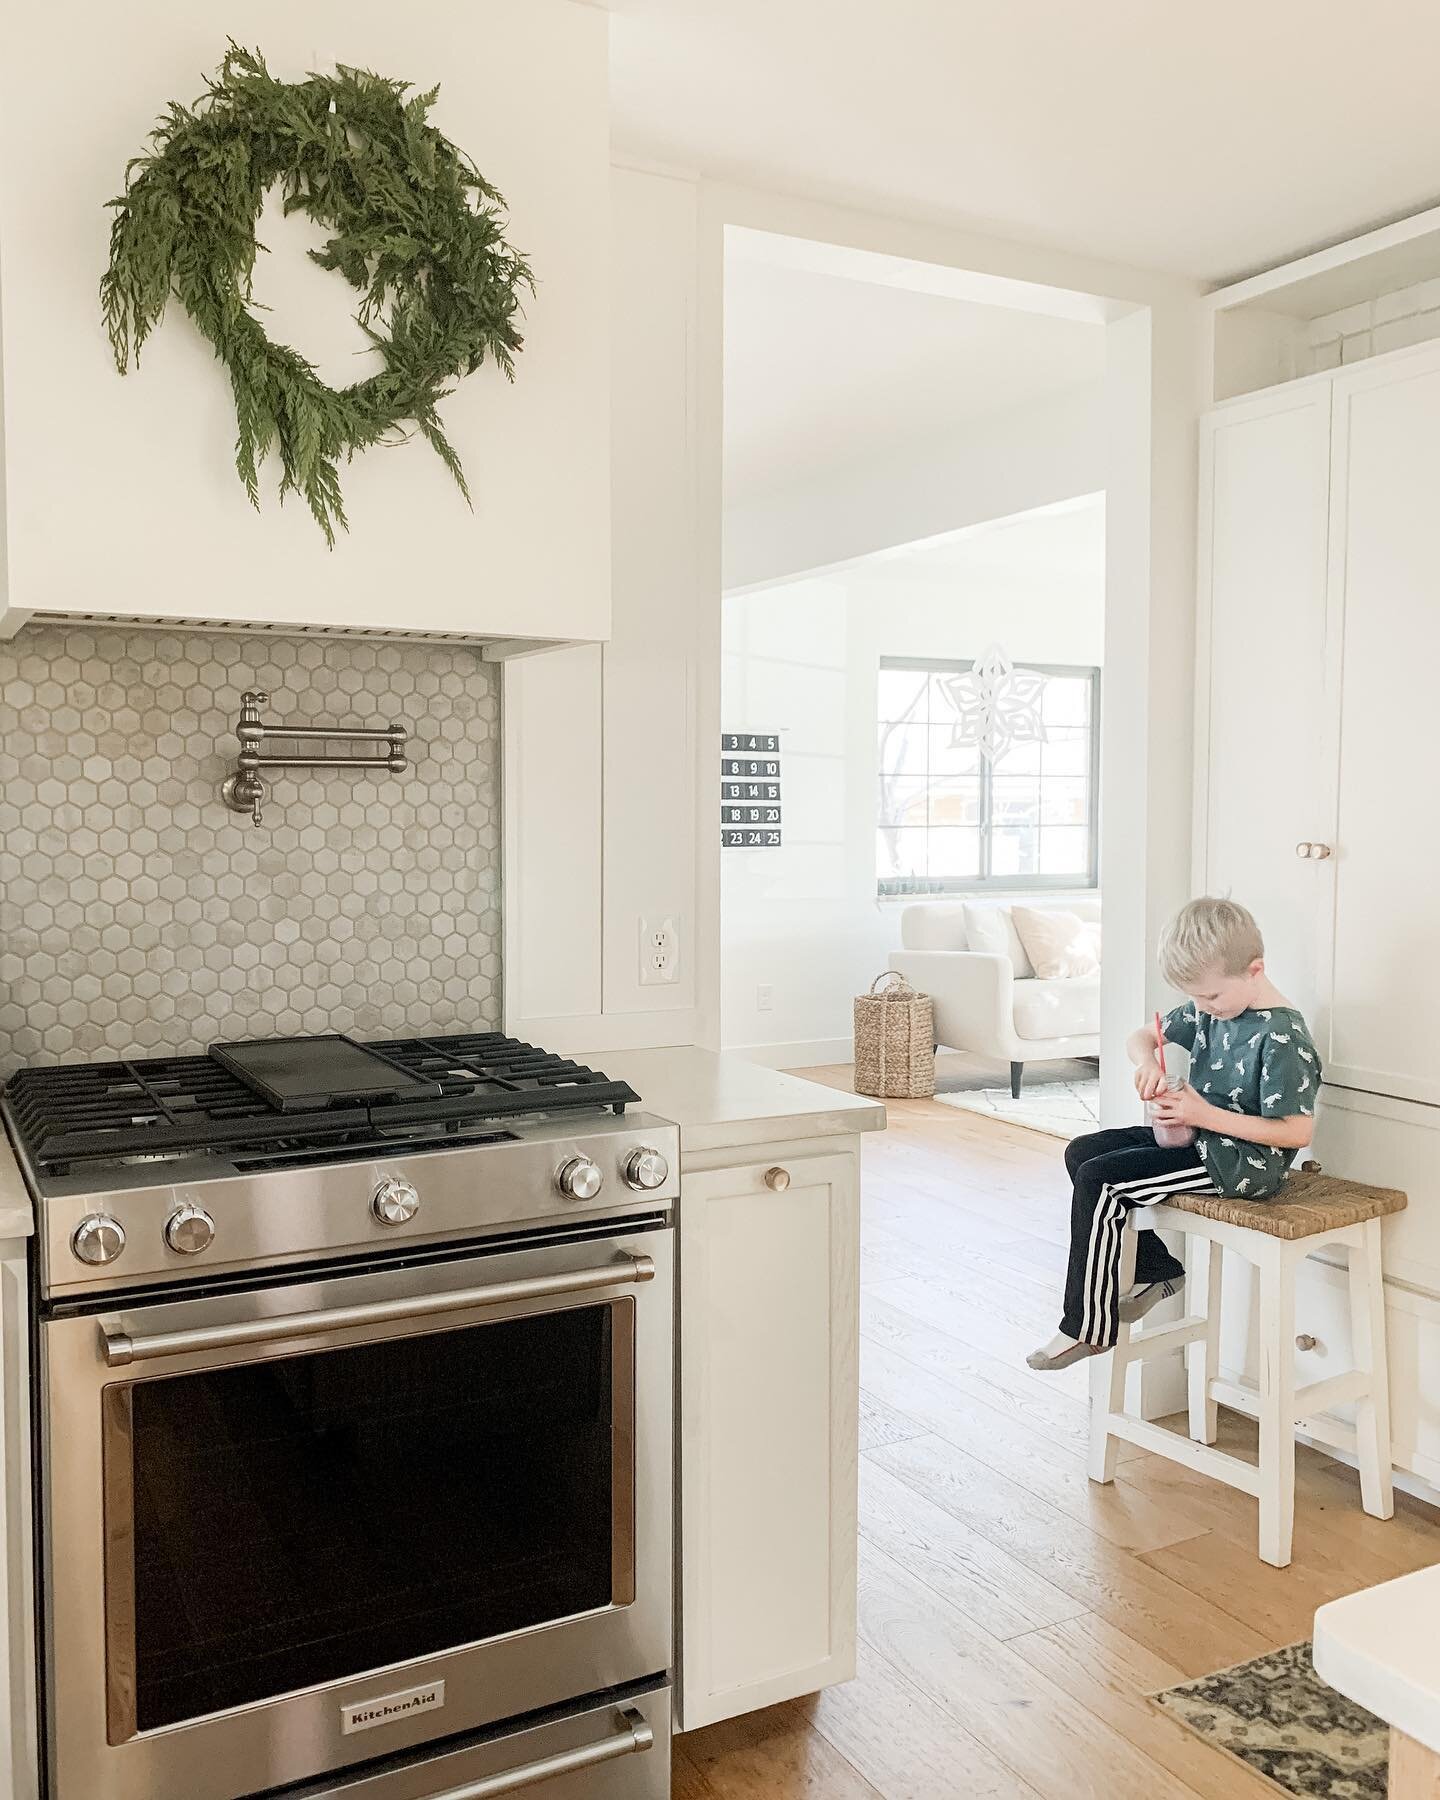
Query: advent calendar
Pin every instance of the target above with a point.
(750, 790)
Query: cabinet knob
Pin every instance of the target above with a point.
(1302, 851)
(777, 1180)
(1312, 852)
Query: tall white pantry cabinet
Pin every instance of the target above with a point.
(1318, 727)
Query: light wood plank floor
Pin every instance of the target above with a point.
(1013, 1616)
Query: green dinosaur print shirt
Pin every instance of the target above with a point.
(1262, 1062)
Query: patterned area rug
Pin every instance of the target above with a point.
(1278, 1717)
(1062, 1109)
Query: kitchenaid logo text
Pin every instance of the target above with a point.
(368, 1713)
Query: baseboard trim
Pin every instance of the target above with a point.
(1411, 1478)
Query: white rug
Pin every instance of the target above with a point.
(1063, 1109)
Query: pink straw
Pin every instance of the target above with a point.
(1160, 1043)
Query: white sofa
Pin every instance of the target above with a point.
(988, 1000)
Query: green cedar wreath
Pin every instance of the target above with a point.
(415, 229)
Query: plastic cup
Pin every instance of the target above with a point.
(1169, 1137)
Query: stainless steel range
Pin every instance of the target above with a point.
(354, 1410)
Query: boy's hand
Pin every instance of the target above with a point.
(1148, 1080)
(1182, 1106)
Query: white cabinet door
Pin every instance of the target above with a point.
(1264, 482)
(769, 1385)
(1385, 639)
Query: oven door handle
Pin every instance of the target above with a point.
(119, 1347)
(635, 1736)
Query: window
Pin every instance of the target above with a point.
(950, 821)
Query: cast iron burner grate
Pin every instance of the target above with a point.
(70, 1115)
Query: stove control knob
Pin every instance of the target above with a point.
(189, 1230)
(98, 1239)
(395, 1201)
(646, 1170)
(580, 1179)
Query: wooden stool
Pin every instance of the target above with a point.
(1313, 1212)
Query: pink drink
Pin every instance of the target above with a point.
(1169, 1137)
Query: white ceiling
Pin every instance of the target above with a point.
(1207, 141)
(822, 372)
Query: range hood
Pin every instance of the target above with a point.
(120, 496)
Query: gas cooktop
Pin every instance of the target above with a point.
(284, 1152)
(82, 1119)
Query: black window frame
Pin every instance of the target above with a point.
(903, 887)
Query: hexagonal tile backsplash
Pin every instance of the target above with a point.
(139, 916)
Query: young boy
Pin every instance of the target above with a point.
(1254, 1075)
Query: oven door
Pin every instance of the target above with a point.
(619, 1750)
(298, 1527)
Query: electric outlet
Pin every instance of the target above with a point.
(659, 951)
(764, 998)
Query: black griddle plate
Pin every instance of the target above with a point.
(310, 1074)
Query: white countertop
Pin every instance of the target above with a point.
(17, 1215)
(1381, 1649)
(720, 1101)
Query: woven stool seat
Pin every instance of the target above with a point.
(1308, 1203)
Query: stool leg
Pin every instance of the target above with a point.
(1107, 1379)
(1202, 1359)
(1372, 1414)
(1277, 1402)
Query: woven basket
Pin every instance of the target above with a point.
(894, 1041)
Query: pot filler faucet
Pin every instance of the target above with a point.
(245, 789)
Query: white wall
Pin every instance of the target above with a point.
(1051, 449)
(600, 806)
(1147, 740)
(802, 658)
(122, 494)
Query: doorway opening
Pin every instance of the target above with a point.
(914, 482)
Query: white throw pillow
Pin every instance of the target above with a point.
(1057, 943)
(990, 930)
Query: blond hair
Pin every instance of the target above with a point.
(1207, 934)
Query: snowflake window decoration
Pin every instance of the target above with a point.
(997, 705)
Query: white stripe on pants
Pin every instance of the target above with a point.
(1100, 1320)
